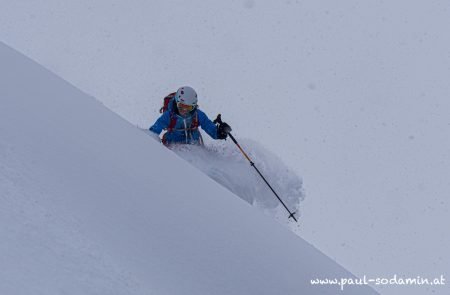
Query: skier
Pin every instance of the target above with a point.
(181, 118)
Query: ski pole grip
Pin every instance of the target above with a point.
(218, 120)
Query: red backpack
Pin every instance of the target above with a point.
(167, 100)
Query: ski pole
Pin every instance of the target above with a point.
(218, 120)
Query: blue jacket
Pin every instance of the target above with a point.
(184, 130)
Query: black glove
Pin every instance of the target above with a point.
(222, 130)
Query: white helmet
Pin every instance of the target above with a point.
(186, 95)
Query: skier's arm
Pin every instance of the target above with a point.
(161, 123)
(207, 124)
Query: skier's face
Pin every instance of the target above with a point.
(184, 109)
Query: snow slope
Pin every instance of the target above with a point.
(87, 208)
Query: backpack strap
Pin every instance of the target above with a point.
(164, 140)
(172, 123)
(194, 123)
